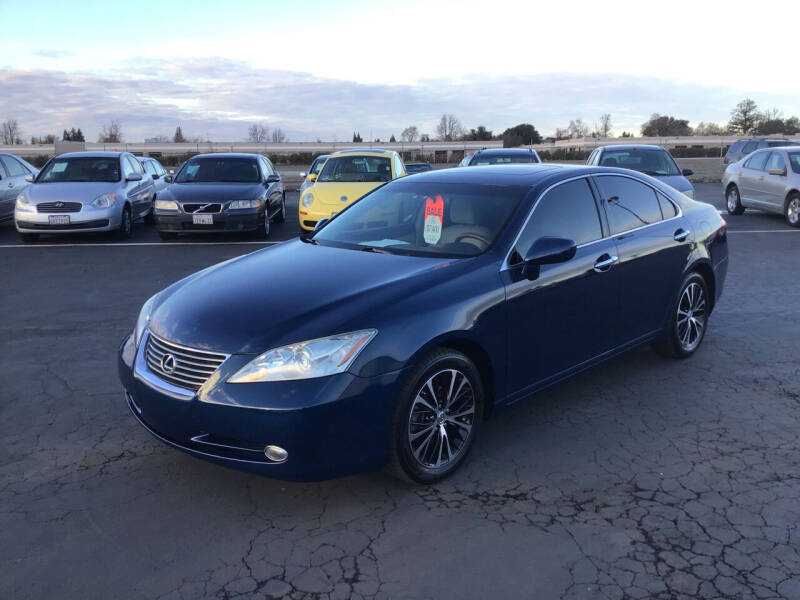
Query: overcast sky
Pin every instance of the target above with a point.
(326, 69)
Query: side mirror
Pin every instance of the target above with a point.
(168, 178)
(311, 177)
(687, 172)
(156, 176)
(320, 224)
(134, 177)
(547, 251)
(29, 178)
(777, 171)
(303, 174)
(273, 179)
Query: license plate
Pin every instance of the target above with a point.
(58, 219)
(203, 219)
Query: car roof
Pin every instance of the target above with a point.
(527, 175)
(91, 154)
(227, 155)
(506, 151)
(632, 147)
(365, 152)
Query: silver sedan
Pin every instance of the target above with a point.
(767, 179)
(85, 191)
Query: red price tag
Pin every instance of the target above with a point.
(434, 215)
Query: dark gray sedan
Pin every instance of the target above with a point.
(221, 193)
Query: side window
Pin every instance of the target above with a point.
(757, 161)
(399, 168)
(749, 147)
(568, 210)
(629, 203)
(775, 161)
(150, 167)
(134, 165)
(593, 158)
(667, 207)
(13, 166)
(267, 167)
(160, 168)
(127, 166)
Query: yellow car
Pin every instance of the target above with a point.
(346, 176)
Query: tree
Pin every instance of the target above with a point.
(278, 136)
(357, 137)
(449, 128)
(10, 132)
(111, 133)
(43, 139)
(791, 126)
(578, 129)
(663, 125)
(744, 117)
(392, 139)
(425, 138)
(519, 135)
(409, 133)
(709, 129)
(480, 134)
(626, 134)
(605, 125)
(178, 137)
(77, 136)
(561, 134)
(257, 133)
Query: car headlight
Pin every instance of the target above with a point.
(306, 360)
(104, 201)
(689, 193)
(307, 199)
(143, 320)
(166, 205)
(245, 204)
(23, 204)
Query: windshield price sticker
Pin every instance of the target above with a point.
(434, 214)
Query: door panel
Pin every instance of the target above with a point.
(751, 180)
(774, 186)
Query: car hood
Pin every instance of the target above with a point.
(288, 293)
(69, 191)
(215, 192)
(679, 182)
(330, 193)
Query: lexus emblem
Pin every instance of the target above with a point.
(343, 198)
(168, 364)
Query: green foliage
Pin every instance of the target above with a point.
(357, 137)
(663, 125)
(522, 134)
(178, 137)
(392, 139)
(480, 134)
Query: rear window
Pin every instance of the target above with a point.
(749, 147)
(504, 159)
(651, 162)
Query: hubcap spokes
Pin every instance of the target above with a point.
(732, 201)
(441, 419)
(691, 316)
(794, 211)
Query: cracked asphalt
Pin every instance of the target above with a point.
(642, 478)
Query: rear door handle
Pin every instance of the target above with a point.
(604, 263)
(681, 235)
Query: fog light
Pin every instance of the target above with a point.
(276, 453)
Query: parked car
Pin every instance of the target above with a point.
(742, 148)
(501, 156)
(85, 192)
(412, 168)
(651, 160)
(767, 179)
(388, 335)
(157, 172)
(345, 177)
(14, 174)
(221, 192)
(309, 177)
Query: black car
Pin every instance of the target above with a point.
(742, 148)
(412, 168)
(221, 193)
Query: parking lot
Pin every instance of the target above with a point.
(642, 478)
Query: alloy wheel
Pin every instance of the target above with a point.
(441, 419)
(793, 211)
(691, 316)
(733, 200)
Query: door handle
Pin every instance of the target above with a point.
(681, 235)
(11, 184)
(604, 263)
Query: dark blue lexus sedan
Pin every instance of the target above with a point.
(388, 335)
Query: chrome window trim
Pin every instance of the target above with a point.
(506, 266)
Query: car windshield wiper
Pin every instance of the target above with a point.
(307, 239)
(375, 250)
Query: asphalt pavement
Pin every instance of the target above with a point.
(641, 478)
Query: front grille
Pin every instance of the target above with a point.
(46, 226)
(59, 207)
(191, 368)
(202, 209)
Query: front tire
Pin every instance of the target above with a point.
(125, 230)
(263, 229)
(733, 201)
(792, 212)
(436, 418)
(281, 216)
(150, 217)
(689, 319)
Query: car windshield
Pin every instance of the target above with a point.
(418, 168)
(356, 168)
(317, 166)
(424, 219)
(781, 143)
(651, 162)
(505, 159)
(794, 160)
(213, 169)
(83, 168)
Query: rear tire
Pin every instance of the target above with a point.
(29, 238)
(689, 319)
(437, 415)
(792, 210)
(733, 201)
(125, 230)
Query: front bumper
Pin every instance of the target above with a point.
(173, 222)
(310, 217)
(330, 426)
(84, 221)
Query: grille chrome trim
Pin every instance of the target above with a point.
(59, 207)
(202, 208)
(192, 367)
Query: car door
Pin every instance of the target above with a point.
(131, 188)
(14, 183)
(653, 242)
(274, 189)
(773, 186)
(751, 179)
(564, 315)
(7, 193)
(138, 193)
